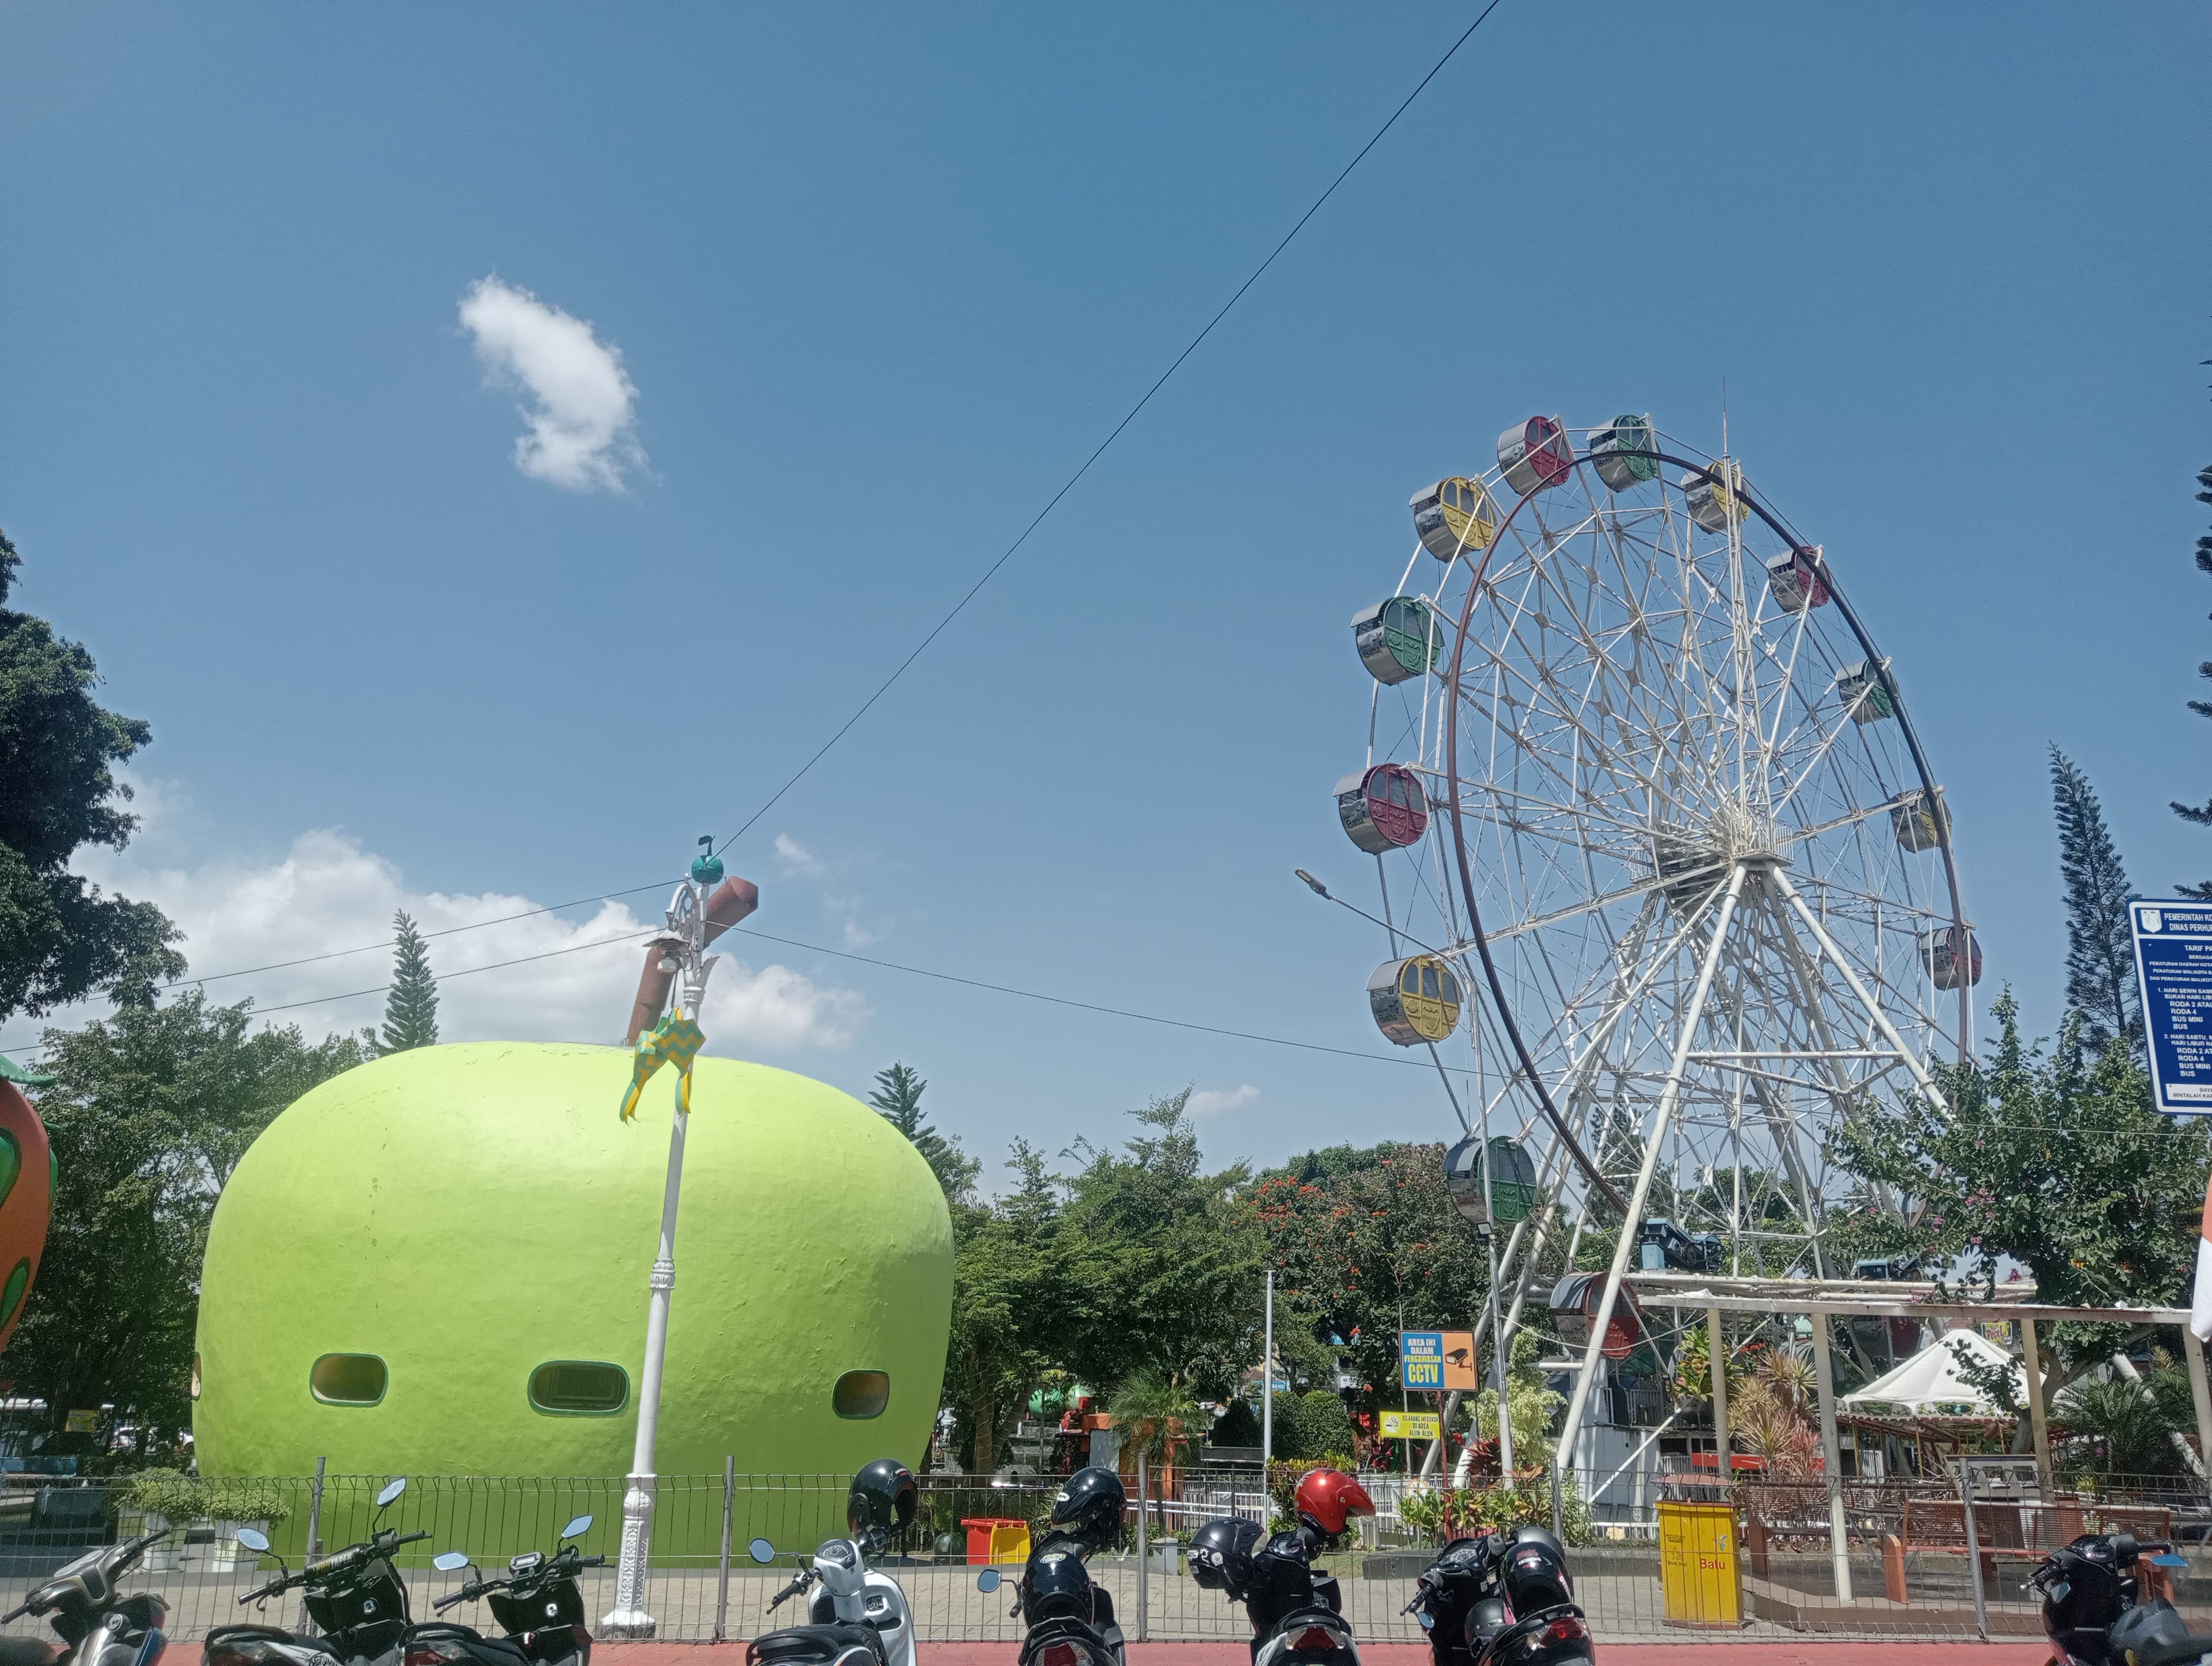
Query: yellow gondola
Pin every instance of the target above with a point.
(1919, 825)
(1415, 1000)
(1714, 503)
(1455, 514)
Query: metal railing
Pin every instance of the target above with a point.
(1905, 1549)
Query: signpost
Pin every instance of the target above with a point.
(1437, 1361)
(2173, 966)
(1412, 1425)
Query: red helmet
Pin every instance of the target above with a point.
(1328, 1498)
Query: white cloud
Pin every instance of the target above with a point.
(1212, 1101)
(582, 426)
(327, 893)
(795, 857)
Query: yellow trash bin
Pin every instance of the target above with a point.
(1698, 1573)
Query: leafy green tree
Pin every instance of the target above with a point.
(2059, 1163)
(2100, 968)
(2119, 1427)
(411, 1005)
(1367, 1242)
(1009, 1302)
(1163, 1259)
(2201, 815)
(60, 937)
(149, 1112)
(898, 1096)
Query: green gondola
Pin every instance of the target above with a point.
(1398, 638)
(1626, 433)
(1514, 1193)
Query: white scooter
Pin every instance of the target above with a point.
(858, 1615)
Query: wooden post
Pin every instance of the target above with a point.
(1717, 1349)
(1892, 1569)
(2037, 1422)
(1824, 1390)
(2193, 1351)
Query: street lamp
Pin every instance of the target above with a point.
(705, 906)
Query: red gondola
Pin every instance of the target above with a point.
(1535, 455)
(1947, 967)
(1385, 809)
(1795, 580)
(1574, 1306)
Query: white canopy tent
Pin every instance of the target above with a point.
(1932, 1382)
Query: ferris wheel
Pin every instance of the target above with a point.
(1668, 883)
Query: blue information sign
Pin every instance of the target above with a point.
(1421, 1355)
(2173, 961)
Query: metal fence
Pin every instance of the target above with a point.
(1911, 1572)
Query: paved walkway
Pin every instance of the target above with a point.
(1755, 1652)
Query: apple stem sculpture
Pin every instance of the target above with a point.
(676, 961)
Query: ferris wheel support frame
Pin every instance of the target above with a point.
(1632, 1209)
(1654, 1143)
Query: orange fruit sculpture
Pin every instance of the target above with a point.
(27, 1202)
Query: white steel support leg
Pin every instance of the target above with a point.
(630, 1618)
(1927, 1083)
(1655, 1141)
(1824, 1391)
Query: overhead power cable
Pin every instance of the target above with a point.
(1069, 484)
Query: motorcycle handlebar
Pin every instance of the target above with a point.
(593, 1561)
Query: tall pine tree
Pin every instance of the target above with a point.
(2100, 970)
(2201, 816)
(411, 1008)
(898, 1096)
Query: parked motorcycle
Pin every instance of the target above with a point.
(2095, 1611)
(1086, 1517)
(1296, 1610)
(1060, 1604)
(355, 1601)
(858, 1615)
(537, 1605)
(1505, 1599)
(84, 1602)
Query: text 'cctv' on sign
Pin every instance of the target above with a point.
(1438, 1359)
(2173, 964)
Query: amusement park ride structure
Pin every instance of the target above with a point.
(1637, 774)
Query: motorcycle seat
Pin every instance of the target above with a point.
(805, 1643)
(492, 1650)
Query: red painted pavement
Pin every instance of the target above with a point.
(2012, 1651)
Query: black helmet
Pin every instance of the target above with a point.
(881, 1500)
(1089, 1505)
(1057, 1586)
(1221, 1556)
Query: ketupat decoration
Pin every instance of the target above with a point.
(674, 1040)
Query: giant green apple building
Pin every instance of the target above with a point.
(436, 1263)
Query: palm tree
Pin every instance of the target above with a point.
(1156, 1415)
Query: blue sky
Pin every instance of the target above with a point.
(879, 280)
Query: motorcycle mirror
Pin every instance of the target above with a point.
(450, 1561)
(384, 1498)
(761, 1551)
(253, 1538)
(987, 1580)
(581, 1524)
